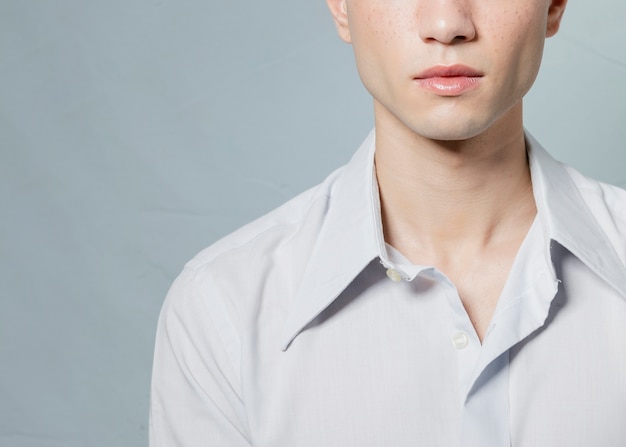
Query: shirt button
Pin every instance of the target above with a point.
(460, 340)
(393, 275)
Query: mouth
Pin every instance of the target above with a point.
(453, 80)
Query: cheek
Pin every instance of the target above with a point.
(373, 25)
(518, 42)
(514, 28)
(378, 42)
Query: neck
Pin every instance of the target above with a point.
(443, 197)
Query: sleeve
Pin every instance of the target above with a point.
(196, 397)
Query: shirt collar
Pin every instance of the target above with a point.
(567, 219)
(348, 240)
(351, 234)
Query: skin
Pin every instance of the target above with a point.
(452, 170)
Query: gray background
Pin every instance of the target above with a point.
(135, 132)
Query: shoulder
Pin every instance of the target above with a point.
(271, 233)
(609, 200)
(607, 204)
(236, 267)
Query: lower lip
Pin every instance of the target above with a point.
(449, 85)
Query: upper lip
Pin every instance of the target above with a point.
(446, 71)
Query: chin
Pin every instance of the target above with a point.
(452, 130)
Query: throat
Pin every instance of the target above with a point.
(476, 254)
(464, 210)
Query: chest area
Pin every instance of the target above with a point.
(388, 365)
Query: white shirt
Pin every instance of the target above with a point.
(304, 329)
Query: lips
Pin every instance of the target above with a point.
(453, 80)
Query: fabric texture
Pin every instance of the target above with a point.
(304, 328)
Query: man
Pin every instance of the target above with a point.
(452, 285)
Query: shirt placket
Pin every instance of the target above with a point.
(483, 370)
(483, 395)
